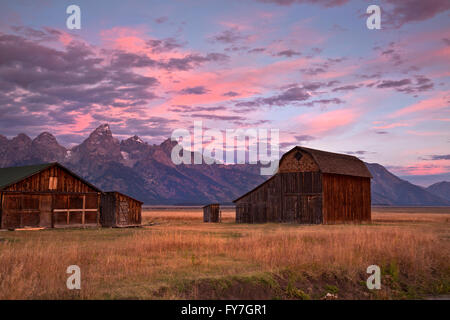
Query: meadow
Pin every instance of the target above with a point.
(177, 256)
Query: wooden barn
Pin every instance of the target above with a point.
(120, 210)
(211, 213)
(47, 195)
(310, 187)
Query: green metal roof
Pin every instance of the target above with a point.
(11, 175)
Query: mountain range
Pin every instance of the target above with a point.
(147, 172)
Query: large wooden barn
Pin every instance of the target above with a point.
(51, 196)
(46, 195)
(310, 187)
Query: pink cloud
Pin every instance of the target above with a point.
(324, 123)
(437, 102)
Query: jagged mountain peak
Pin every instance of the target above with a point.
(137, 139)
(45, 136)
(22, 137)
(102, 130)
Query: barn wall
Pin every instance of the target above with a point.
(108, 210)
(128, 211)
(346, 199)
(20, 209)
(287, 197)
(118, 210)
(41, 182)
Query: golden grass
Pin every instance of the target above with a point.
(171, 258)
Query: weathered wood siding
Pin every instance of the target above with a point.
(48, 209)
(50, 198)
(118, 210)
(211, 213)
(346, 199)
(286, 197)
(41, 182)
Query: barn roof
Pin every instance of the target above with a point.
(328, 162)
(12, 175)
(336, 163)
(123, 194)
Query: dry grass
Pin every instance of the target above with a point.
(178, 254)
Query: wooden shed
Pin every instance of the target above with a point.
(47, 195)
(211, 213)
(310, 187)
(120, 210)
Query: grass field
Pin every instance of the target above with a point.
(177, 256)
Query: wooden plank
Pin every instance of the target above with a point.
(84, 210)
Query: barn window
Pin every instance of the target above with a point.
(298, 155)
(53, 183)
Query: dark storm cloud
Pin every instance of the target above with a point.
(289, 96)
(419, 84)
(230, 94)
(317, 68)
(185, 109)
(324, 102)
(151, 126)
(304, 137)
(216, 117)
(346, 88)
(191, 61)
(396, 13)
(229, 36)
(439, 157)
(198, 90)
(288, 53)
(256, 50)
(313, 71)
(163, 45)
(393, 83)
(399, 13)
(45, 86)
(41, 85)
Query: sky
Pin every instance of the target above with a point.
(310, 68)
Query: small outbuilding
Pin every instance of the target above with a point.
(119, 210)
(211, 213)
(46, 195)
(310, 187)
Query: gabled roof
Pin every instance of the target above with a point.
(336, 163)
(328, 162)
(12, 175)
(122, 194)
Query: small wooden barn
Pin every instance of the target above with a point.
(47, 195)
(211, 213)
(120, 210)
(310, 187)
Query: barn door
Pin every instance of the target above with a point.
(46, 211)
(290, 208)
(310, 209)
(123, 213)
